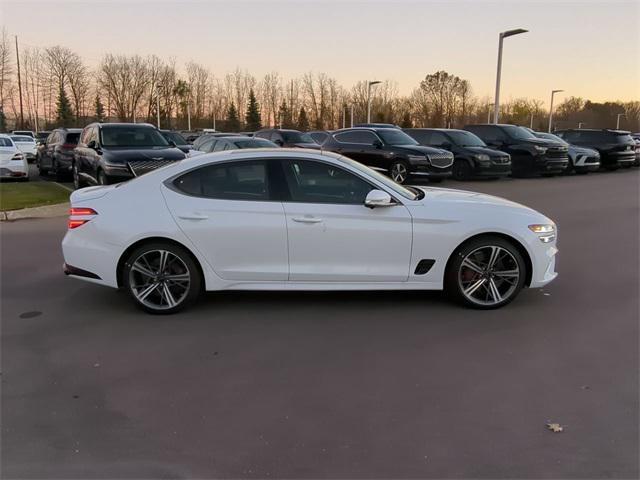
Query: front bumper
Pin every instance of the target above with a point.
(492, 169)
(613, 159)
(431, 172)
(546, 164)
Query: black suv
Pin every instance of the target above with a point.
(616, 147)
(472, 156)
(287, 138)
(55, 153)
(113, 152)
(530, 155)
(178, 139)
(391, 150)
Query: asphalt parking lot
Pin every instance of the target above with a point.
(339, 385)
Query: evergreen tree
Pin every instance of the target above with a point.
(99, 109)
(406, 121)
(284, 116)
(252, 117)
(303, 121)
(64, 115)
(233, 122)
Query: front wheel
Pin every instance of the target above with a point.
(399, 171)
(77, 181)
(161, 278)
(486, 273)
(462, 170)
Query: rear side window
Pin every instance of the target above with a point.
(5, 142)
(227, 181)
(72, 138)
(421, 136)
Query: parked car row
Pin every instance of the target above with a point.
(13, 162)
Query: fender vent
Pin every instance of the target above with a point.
(424, 266)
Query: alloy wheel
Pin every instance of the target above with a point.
(159, 279)
(489, 275)
(399, 172)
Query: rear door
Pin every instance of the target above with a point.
(226, 210)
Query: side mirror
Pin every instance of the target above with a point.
(377, 144)
(378, 198)
(172, 144)
(278, 142)
(92, 145)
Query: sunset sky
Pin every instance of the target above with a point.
(588, 48)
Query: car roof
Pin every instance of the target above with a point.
(611, 130)
(121, 124)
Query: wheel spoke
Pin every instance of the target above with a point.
(178, 277)
(475, 286)
(168, 296)
(495, 252)
(143, 270)
(470, 264)
(507, 273)
(145, 293)
(162, 264)
(495, 293)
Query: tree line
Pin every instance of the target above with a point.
(59, 89)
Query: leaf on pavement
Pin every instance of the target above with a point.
(555, 427)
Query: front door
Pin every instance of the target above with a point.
(226, 211)
(333, 237)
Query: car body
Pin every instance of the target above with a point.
(28, 133)
(55, 155)
(636, 138)
(296, 219)
(581, 159)
(376, 125)
(232, 142)
(392, 151)
(13, 163)
(27, 145)
(529, 155)
(616, 147)
(319, 136)
(41, 136)
(178, 140)
(287, 138)
(113, 152)
(472, 157)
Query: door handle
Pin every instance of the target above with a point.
(307, 219)
(193, 216)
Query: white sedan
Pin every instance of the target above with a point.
(13, 163)
(290, 219)
(26, 144)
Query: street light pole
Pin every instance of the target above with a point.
(553, 92)
(502, 36)
(369, 85)
(618, 120)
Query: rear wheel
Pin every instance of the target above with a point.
(462, 170)
(399, 171)
(485, 273)
(77, 181)
(59, 174)
(161, 278)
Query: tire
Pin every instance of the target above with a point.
(77, 180)
(462, 170)
(60, 176)
(42, 171)
(399, 171)
(151, 288)
(472, 281)
(102, 178)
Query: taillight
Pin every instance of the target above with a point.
(79, 212)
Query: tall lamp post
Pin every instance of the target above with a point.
(503, 35)
(369, 85)
(618, 120)
(553, 92)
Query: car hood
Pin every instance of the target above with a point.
(450, 195)
(125, 155)
(420, 149)
(486, 151)
(544, 142)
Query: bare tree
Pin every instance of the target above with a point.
(125, 80)
(6, 66)
(198, 82)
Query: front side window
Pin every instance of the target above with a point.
(297, 137)
(242, 180)
(466, 139)
(132, 136)
(438, 139)
(356, 136)
(518, 133)
(219, 146)
(318, 182)
(207, 146)
(393, 136)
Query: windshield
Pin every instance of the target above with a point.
(175, 138)
(386, 181)
(297, 137)
(24, 139)
(5, 142)
(391, 136)
(518, 133)
(254, 143)
(132, 137)
(466, 139)
(550, 136)
(72, 138)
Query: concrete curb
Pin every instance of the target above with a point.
(46, 211)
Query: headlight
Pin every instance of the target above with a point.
(417, 158)
(482, 157)
(17, 157)
(539, 149)
(546, 232)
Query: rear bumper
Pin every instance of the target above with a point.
(14, 170)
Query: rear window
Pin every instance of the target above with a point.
(6, 142)
(72, 138)
(132, 137)
(254, 143)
